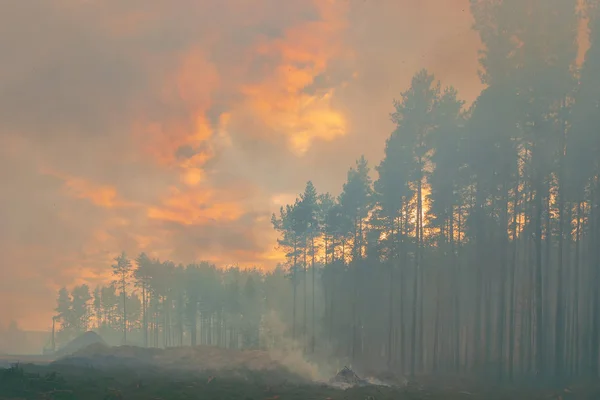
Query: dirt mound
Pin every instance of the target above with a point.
(207, 357)
(102, 350)
(200, 358)
(81, 342)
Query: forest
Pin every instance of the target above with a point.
(472, 247)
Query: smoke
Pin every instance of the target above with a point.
(288, 352)
(174, 128)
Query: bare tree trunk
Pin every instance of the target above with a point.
(595, 269)
(539, 321)
(145, 311)
(193, 325)
(294, 285)
(313, 338)
(513, 266)
(576, 289)
(403, 332)
(391, 298)
(479, 263)
(124, 310)
(305, 300)
(501, 321)
(559, 326)
(415, 294)
(436, 327)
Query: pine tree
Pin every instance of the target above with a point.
(122, 272)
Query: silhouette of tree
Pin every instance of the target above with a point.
(122, 271)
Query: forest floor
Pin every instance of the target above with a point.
(226, 375)
(30, 382)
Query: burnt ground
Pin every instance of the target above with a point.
(7, 360)
(99, 372)
(66, 382)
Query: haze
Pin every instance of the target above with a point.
(178, 128)
(410, 185)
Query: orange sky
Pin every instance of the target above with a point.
(178, 127)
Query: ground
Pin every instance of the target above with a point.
(74, 383)
(103, 373)
(35, 382)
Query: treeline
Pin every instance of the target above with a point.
(155, 303)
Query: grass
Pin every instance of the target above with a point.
(29, 382)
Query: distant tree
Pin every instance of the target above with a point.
(122, 270)
(355, 205)
(415, 121)
(289, 226)
(64, 310)
(143, 275)
(308, 209)
(251, 312)
(133, 306)
(81, 308)
(392, 193)
(110, 305)
(97, 306)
